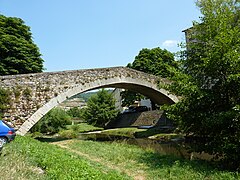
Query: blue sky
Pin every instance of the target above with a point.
(81, 34)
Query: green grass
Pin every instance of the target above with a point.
(130, 132)
(124, 132)
(73, 131)
(133, 132)
(14, 165)
(57, 163)
(26, 158)
(83, 127)
(152, 165)
(151, 132)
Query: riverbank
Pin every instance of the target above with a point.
(83, 159)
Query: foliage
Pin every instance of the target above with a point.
(4, 100)
(133, 132)
(84, 127)
(55, 120)
(122, 132)
(58, 163)
(75, 112)
(85, 96)
(129, 97)
(100, 109)
(18, 53)
(153, 61)
(210, 111)
(69, 133)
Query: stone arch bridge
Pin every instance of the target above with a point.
(33, 95)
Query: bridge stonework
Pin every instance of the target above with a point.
(33, 95)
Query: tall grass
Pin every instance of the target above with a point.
(26, 158)
(14, 165)
(154, 165)
(57, 163)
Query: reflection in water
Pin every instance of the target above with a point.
(165, 148)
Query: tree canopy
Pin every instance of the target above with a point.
(210, 109)
(18, 53)
(100, 109)
(156, 61)
(52, 122)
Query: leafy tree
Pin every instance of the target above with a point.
(130, 97)
(210, 111)
(18, 53)
(100, 109)
(54, 121)
(153, 61)
(75, 112)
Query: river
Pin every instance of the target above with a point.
(176, 147)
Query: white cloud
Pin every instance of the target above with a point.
(170, 43)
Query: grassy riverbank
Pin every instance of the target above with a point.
(147, 163)
(50, 162)
(73, 131)
(26, 158)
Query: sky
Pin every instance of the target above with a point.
(83, 34)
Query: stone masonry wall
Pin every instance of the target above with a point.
(29, 92)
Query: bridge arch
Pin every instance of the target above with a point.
(33, 95)
(160, 96)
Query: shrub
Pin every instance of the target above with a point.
(70, 133)
(84, 127)
(54, 121)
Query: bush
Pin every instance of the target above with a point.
(54, 121)
(70, 133)
(36, 134)
(84, 127)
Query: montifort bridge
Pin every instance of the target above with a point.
(33, 95)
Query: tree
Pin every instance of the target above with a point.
(18, 53)
(54, 121)
(100, 109)
(129, 97)
(153, 61)
(75, 112)
(210, 109)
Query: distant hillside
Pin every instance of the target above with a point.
(87, 95)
